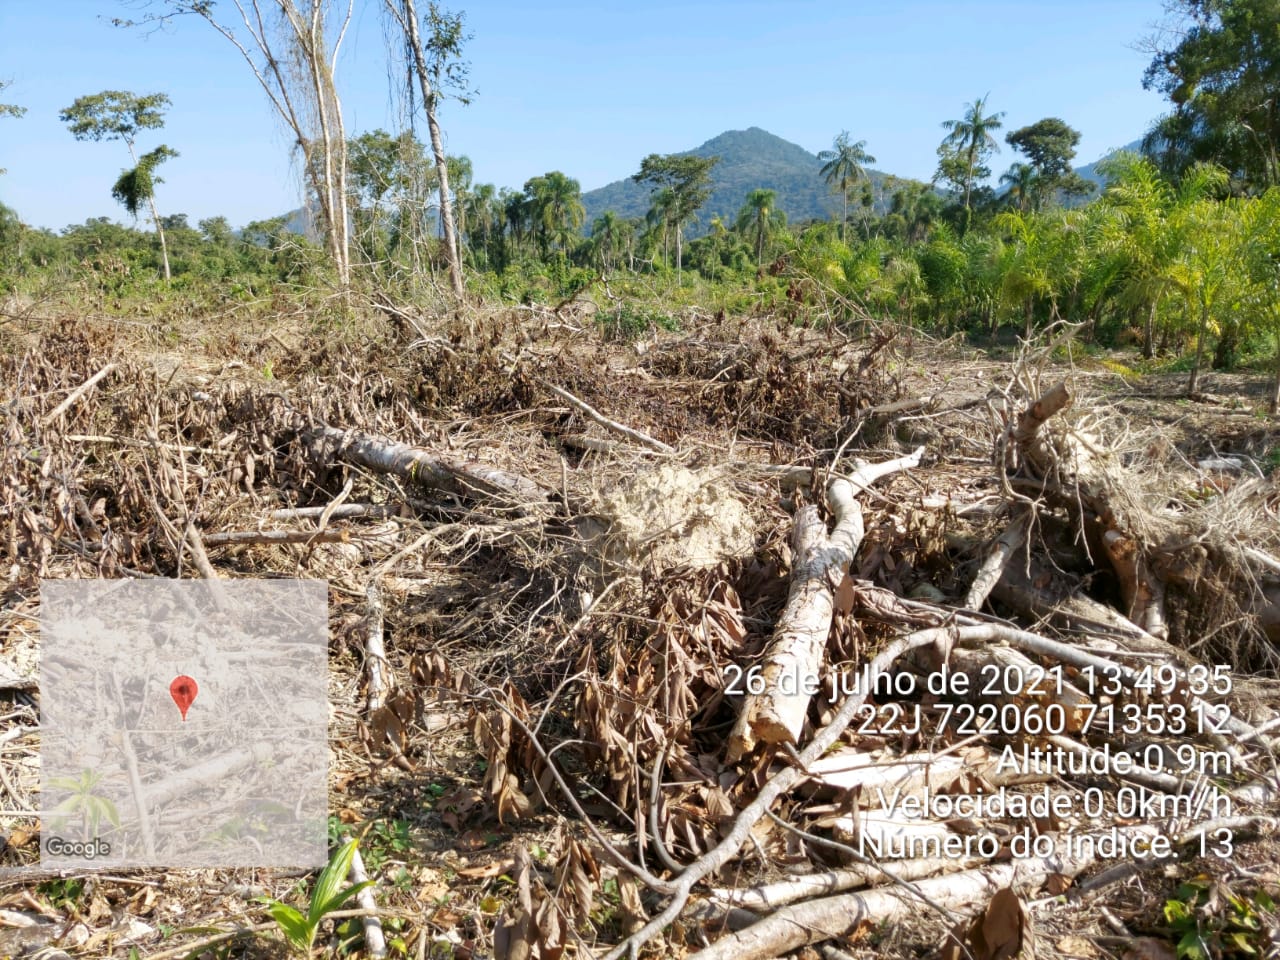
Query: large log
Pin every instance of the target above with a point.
(792, 662)
(421, 466)
(1070, 611)
(826, 918)
(1017, 680)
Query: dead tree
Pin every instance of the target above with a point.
(299, 54)
(436, 60)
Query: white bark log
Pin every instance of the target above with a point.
(827, 918)
(994, 565)
(794, 657)
(1018, 680)
(375, 944)
(207, 774)
(767, 897)
(375, 652)
(424, 467)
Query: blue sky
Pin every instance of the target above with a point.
(585, 87)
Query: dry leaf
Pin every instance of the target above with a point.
(998, 933)
(1057, 883)
(494, 868)
(630, 908)
(577, 875)
(845, 595)
(515, 937)
(1003, 925)
(551, 940)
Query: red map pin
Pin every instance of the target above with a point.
(183, 690)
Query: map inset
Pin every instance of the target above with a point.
(183, 723)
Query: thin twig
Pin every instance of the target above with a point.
(613, 425)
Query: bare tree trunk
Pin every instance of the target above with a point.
(164, 246)
(331, 190)
(679, 254)
(409, 21)
(155, 218)
(1149, 333)
(1194, 384)
(294, 97)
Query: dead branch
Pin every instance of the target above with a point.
(205, 775)
(77, 393)
(1022, 433)
(1073, 613)
(794, 657)
(766, 897)
(813, 921)
(346, 511)
(740, 831)
(614, 425)
(375, 653)
(993, 566)
(422, 467)
(241, 537)
(1053, 649)
(375, 944)
(979, 662)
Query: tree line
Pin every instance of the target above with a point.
(1178, 251)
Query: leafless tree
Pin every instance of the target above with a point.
(436, 60)
(292, 47)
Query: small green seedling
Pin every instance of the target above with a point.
(85, 802)
(327, 896)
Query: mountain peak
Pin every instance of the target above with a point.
(749, 159)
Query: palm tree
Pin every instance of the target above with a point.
(610, 235)
(971, 138)
(843, 166)
(1261, 240)
(758, 217)
(480, 215)
(557, 208)
(518, 212)
(459, 173)
(1021, 178)
(913, 208)
(1025, 263)
(1149, 209)
(1207, 271)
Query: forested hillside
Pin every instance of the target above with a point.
(749, 159)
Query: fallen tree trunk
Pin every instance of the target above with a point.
(826, 918)
(422, 467)
(851, 771)
(767, 897)
(205, 775)
(376, 511)
(1072, 612)
(229, 537)
(994, 565)
(794, 657)
(740, 831)
(1003, 675)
